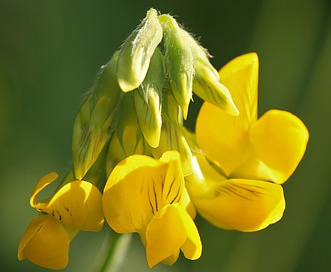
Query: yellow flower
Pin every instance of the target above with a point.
(148, 196)
(248, 158)
(75, 206)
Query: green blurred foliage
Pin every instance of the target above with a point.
(50, 51)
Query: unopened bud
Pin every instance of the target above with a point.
(171, 110)
(172, 138)
(214, 92)
(127, 138)
(178, 61)
(148, 101)
(106, 84)
(206, 83)
(93, 120)
(136, 52)
(90, 135)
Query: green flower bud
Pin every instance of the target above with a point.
(136, 52)
(173, 134)
(93, 120)
(148, 102)
(178, 61)
(173, 138)
(106, 84)
(171, 110)
(206, 83)
(187, 64)
(127, 138)
(89, 140)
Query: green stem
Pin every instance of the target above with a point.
(116, 246)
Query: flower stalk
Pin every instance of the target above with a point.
(116, 246)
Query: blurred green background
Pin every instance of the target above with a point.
(50, 52)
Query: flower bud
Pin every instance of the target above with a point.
(178, 61)
(106, 84)
(136, 52)
(127, 138)
(148, 100)
(207, 85)
(172, 138)
(171, 110)
(173, 134)
(93, 120)
(89, 140)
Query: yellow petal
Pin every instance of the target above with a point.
(174, 189)
(240, 204)
(240, 76)
(129, 198)
(173, 182)
(188, 204)
(279, 140)
(222, 137)
(42, 183)
(139, 187)
(170, 230)
(78, 205)
(45, 243)
(245, 205)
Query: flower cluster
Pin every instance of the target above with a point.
(137, 166)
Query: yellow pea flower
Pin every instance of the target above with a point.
(75, 206)
(148, 196)
(248, 158)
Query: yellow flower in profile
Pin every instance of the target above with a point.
(75, 206)
(237, 184)
(148, 196)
